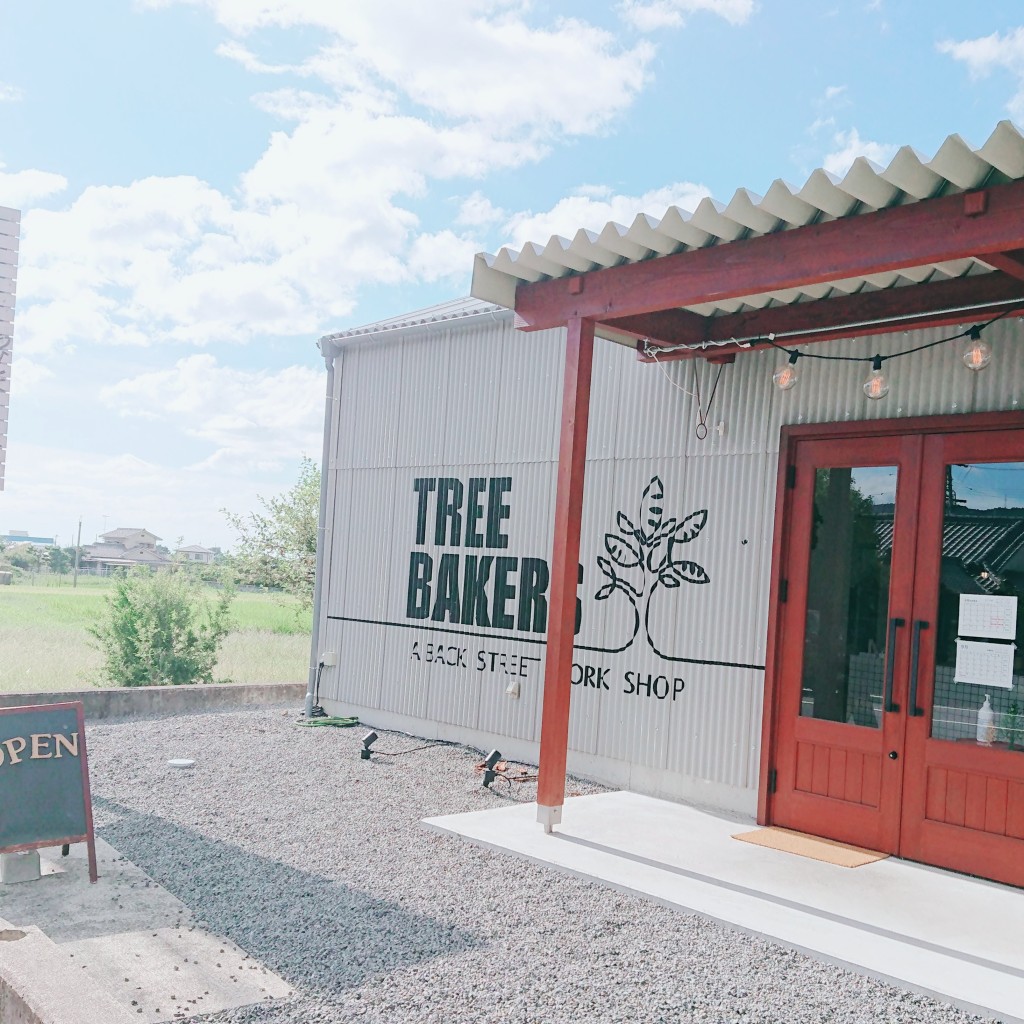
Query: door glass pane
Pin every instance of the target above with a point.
(848, 594)
(979, 692)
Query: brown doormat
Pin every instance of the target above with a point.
(841, 854)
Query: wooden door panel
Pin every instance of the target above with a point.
(846, 579)
(964, 801)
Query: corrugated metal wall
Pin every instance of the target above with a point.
(669, 678)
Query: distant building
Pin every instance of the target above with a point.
(10, 221)
(23, 537)
(124, 547)
(196, 553)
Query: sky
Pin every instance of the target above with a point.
(209, 186)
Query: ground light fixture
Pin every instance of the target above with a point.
(489, 762)
(368, 741)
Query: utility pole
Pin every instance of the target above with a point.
(78, 552)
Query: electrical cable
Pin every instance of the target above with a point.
(400, 753)
(316, 711)
(895, 355)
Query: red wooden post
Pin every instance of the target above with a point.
(554, 732)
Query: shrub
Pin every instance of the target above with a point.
(161, 629)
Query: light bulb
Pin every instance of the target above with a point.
(979, 353)
(876, 386)
(786, 376)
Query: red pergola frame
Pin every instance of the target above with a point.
(644, 300)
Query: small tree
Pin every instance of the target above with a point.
(161, 629)
(24, 556)
(60, 560)
(278, 548)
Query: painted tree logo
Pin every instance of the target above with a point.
(648, 555)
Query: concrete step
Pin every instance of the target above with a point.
(41, 984)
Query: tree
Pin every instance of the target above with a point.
(278, 546)
(24, 556)
(161, 629)
(60, 560)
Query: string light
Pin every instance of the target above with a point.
(977, 356)
(979, 353)
(786, 376)
(876, 386)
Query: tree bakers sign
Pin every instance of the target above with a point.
(44, 779)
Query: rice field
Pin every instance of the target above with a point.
(45, 643)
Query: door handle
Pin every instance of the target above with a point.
(890, 657)
(915, 650)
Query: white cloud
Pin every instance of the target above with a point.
(10, 93)
(395, 99)
(477, 210)
(234, 50)
(21, 189)
(592, 207)
(26, 376)
(651, 15)
(443, 255)
(256, 421)
(850, 146)
(998, 51)
(833, 92)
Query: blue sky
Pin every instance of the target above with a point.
(208, 186)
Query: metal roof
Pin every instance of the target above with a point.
(866, 188)
(441, 314)
(988, 538)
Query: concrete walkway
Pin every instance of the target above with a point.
(949, 936)
(121, 949)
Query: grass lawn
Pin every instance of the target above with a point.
(45, 643)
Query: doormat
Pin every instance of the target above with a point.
(828, 850)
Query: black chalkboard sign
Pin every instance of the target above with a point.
(44, 779)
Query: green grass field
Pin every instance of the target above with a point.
(45, 643)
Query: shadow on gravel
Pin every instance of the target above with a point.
(319, 935)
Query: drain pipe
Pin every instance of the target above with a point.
(321, 537)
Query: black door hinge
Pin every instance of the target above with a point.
(783, 591)
(791, 476)
(773, 780)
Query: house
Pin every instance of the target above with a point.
(196, 553)
(724, 506)
(123, 548)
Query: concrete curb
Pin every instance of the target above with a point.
(38, 985)
(164, 700)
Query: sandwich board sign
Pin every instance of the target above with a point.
(44, 779)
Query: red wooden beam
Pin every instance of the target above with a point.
(930, 231)
(554, 730)
(886, 310)
(1011, 263)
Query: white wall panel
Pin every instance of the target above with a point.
(424, 396)
(655, 411)
(530, 395)
(474, 369)
(481, 401)
(371, 395)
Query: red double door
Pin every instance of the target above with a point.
(898, 692)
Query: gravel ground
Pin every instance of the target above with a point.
(314, 862)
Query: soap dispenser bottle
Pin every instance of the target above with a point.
(986, 724)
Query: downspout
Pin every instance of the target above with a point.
(321, 537)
